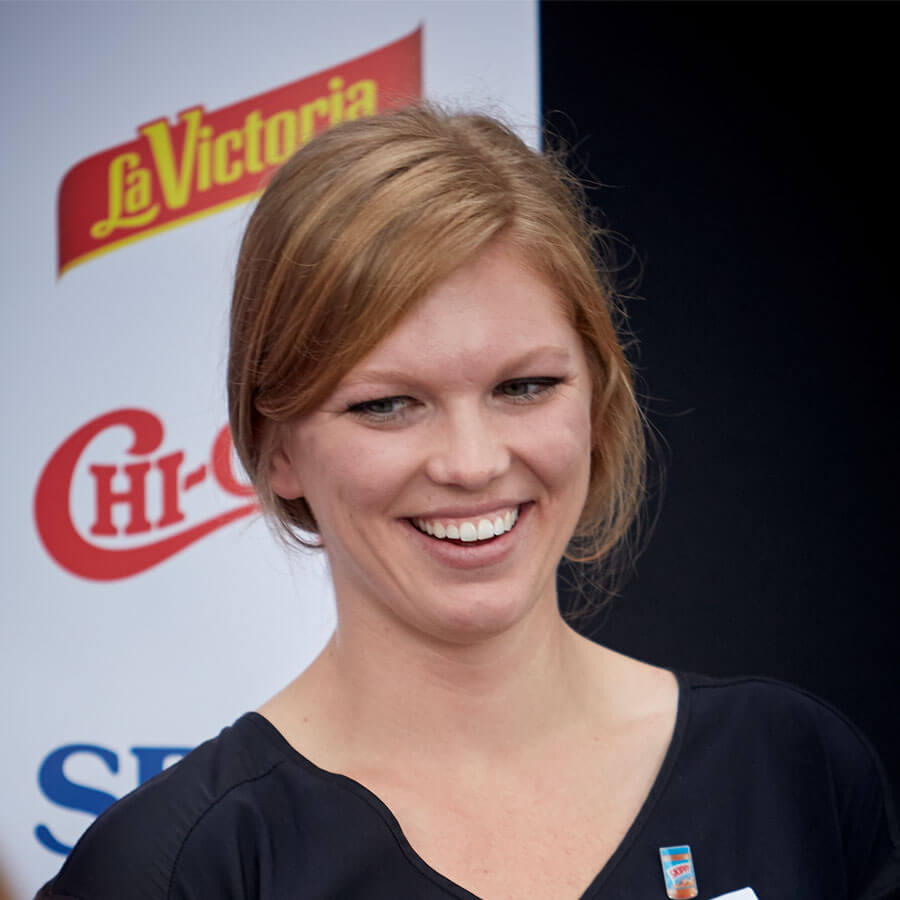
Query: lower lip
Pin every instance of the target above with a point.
(474, 554)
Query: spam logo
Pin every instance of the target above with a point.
(209, 160)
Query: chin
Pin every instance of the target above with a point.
(475, 618)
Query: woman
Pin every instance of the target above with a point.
(425, 379)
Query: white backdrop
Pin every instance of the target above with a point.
(102, 674)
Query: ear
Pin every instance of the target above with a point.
(283, 476)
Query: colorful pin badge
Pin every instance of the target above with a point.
(678, 870)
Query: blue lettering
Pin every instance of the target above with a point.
(57, 788)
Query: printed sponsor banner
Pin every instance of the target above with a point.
(146, 605)
(160, 473)
(171, 174)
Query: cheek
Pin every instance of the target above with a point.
(561, 449)
(348, 476)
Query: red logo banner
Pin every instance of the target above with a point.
(207, 161)
(80, 556)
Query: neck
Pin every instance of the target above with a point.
(388, 688)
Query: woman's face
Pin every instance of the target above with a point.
(449, 468)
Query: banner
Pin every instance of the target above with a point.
(171, 174)
(145, 602)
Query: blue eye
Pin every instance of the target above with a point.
(380, 409)
(525, 389)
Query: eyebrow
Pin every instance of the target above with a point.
(531, 357)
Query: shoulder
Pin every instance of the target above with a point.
(775, 711)
(777, 748)
(135, 847)
(783, 727)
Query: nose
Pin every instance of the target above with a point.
(470, 450)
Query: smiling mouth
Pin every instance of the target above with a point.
(468, 531)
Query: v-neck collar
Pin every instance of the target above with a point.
(653, 797)
(658, 788)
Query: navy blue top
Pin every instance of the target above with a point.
(770, 787)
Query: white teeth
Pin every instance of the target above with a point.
(469, 532)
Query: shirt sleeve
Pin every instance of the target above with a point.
(871, 830)
(865, 804)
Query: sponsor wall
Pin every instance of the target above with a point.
(145, 605)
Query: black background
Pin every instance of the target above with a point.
(748, 156)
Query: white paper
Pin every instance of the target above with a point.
(743, 894)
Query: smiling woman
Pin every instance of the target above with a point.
(426, 382)
(365, 223)
(474, 410)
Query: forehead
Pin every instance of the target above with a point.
(489, 311)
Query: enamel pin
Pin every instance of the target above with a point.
(678, 870)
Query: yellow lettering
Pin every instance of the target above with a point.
(223, 173)
(281, 133)
(364, 95)
(175, 177)
(203, 159)
(252, 126)
(137, 191)
(335, 85)
(308, 114)
(128, 191)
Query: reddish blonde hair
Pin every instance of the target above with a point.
(358, 226)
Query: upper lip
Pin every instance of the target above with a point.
(469, 512)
